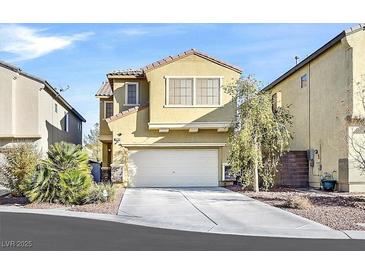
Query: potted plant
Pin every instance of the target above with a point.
(327, 182)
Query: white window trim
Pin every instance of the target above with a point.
(126, 93)
(223, 173)
(105, 102)
(194, 105)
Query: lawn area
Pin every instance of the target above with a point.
(341, 211)
(110, 207)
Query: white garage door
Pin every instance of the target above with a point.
(174, 167)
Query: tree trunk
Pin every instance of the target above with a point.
(256, 175)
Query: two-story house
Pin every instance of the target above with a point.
(325, 92)
(173, 117)
(31, 110)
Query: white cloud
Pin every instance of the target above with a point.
(25, 43)
(153, 30)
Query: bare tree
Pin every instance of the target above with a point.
(356, 134)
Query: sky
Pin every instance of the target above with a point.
(80, 55)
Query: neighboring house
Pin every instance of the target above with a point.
(173, 117)
(31, 110)
(323, 94)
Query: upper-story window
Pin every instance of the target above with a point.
(108, 109)
(207, 91)
(304, 81)
(66, 120)
(55, 108)
(180, 91)
(131, 93)
(193, 91)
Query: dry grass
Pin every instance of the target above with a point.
(298, 202)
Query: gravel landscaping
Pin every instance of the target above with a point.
(341, 211)
(105, 208)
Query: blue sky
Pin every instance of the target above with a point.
(79, 55)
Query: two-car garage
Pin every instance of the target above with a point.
(177, 167)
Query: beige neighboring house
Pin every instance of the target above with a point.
(323, 94)
(31, 110)
(173, 117)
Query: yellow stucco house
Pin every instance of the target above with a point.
(173, 117)
(324, 95)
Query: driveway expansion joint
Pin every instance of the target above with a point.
(187, 198)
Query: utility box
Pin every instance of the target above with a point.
(310, 154)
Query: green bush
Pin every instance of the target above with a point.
(100, 193)
(43, 187)
(64, 177)
(74, 187)
(19, 167)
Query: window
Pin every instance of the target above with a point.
(79, 126)
(304, 81)
(207, 91)
(180, 91)
(108, 106)
(131, 94)
(276, 101)
(227, 174)
(66, 122)
(55, 108)
(193, 91)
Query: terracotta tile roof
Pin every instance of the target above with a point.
(141, 72)
(105, 90)
(170, 59)
(126, 113)
(128, 72)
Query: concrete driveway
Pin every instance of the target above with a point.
(215, 210)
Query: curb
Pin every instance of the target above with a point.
(261, 231)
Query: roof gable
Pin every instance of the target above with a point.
(314, 55)
(190, 52)
(47, 86)
(170, 59)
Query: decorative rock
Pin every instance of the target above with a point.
(105, 175)
(116, 173)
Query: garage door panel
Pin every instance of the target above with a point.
(174, 167)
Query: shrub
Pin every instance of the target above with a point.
(298, 202)
(74, 187)
(100, 193)
(64, 177)
(19, 167)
